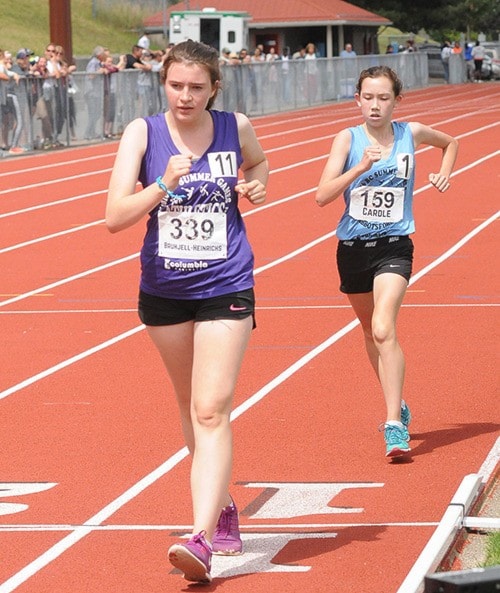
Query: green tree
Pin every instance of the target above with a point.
(442, 15)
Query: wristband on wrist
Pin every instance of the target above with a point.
(161, 185)
(172, 199)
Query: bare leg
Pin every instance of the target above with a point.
(219, 349)
(377, 312)
(175, 345)
(203, 361)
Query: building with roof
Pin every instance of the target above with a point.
(329, 24)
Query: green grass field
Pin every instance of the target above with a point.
(25, 23)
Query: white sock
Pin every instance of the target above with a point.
(394, 423)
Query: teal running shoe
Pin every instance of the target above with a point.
(405, 415)
(396, 440)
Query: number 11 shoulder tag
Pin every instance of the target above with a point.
(223, 164)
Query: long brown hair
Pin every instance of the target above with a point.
(194, 52)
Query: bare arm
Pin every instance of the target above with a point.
(426, 135)
(255, 166)
(142, 66)
(333, 182)
(124, 205)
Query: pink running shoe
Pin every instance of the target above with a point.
(194, 558)
(227, 539)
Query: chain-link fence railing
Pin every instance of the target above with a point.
(48, 113)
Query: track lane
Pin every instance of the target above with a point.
(94, 562)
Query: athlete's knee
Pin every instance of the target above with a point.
(211, 415)
(383, 331)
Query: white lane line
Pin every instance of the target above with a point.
(105, 513)
(264, 527)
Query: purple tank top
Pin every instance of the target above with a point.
(197, 248)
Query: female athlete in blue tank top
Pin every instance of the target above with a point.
(372, 165)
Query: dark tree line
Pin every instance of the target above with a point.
(439, 16)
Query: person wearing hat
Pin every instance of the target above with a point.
(24, 52)
(22, 64)
(225, 56)
(19, 95)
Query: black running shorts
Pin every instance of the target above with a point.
(154, 310)
(359, 261)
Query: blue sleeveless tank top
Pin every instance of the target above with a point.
(196, 248)
(379, 203)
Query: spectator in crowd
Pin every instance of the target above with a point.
(110, 70)
(478, 55)
(137, 60)
(145, 85)
(410, 47)
(94, 90)
(22, 64)
(272, 70)
(224, 57)
(17, 105)
(7, 77)
(257, 58)
(258, 55)
(349, 71)
(247, 76)
(22, 67)
(40, 75)
(311, 72)
(348, 52)
(144, 41)
(300, 53)
(285, 74)
(65, 109)
(22, 90)
(156, 62)
(469, 62)
(446, 52)
(134, 60)
(51, 93)
(243, 55)
(272, 56)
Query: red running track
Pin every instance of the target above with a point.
(94, 474)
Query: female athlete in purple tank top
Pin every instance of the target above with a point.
(196, 293)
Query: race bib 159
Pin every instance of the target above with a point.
(377, 204)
